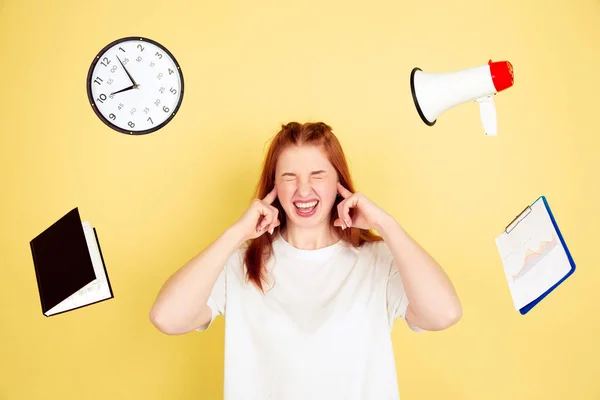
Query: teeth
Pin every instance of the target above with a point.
(306, 205)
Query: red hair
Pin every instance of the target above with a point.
(319, 134)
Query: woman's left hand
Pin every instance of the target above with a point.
(366, 214)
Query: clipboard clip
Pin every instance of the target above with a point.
(517, 219)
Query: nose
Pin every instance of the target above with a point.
(304, 189)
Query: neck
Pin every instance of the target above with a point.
(310, 238)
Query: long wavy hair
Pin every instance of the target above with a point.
(259, 250)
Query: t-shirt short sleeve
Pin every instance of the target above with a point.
(396, 299)
(218, 296)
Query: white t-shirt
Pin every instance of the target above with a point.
(321, 331)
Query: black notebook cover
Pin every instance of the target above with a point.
(61, 260)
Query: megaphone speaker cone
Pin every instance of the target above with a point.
(413, 76)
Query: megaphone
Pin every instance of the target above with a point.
(435, 93)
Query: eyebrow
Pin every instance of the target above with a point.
(321, 171)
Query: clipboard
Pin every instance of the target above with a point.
(534, 254)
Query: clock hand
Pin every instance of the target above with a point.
(127, 72)
(126, 89)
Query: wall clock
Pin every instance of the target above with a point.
(135, 85)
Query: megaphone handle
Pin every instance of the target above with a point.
(487, 112)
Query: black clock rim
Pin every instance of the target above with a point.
(93, 102)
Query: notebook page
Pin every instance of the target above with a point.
(98, 289)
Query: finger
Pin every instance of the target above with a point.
(262, 215)
(340, 209)
(266, 220)
(259, 206)
(273, 226)
(270, 217)
(269, 198)
(261, 229)
(275, 221)
(343, 191)
(349, 203)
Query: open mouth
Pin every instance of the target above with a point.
(306, 209)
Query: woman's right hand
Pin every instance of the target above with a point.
(259, 218)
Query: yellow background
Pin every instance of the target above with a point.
(249, 66)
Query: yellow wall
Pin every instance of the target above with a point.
(249, 66)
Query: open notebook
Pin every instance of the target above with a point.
(69, 266)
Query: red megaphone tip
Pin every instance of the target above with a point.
(502, 74)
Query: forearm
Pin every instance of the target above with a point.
(182, 299)
(430, 292)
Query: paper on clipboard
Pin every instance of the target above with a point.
(534, 255)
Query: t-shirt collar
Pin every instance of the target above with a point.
(281, 245)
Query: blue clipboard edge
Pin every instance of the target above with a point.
(528, 307)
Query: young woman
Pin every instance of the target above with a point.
(310, 294)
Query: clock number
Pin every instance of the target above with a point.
(138, 59)
(159, 75)
(173, 91)
(112, 116)
(120, 48)
(113, 69)
(150, 119)
(140, 47)
(125, 61)
(170, 71)
(131, 124)
(109, 82)
(159, 55)
(157, 102)
(111, 96)
(162, 89)
(166, 109)
(105, 59)
(101, 98)
(152, 64)
(146, 110)
(121, 106)
(132, 111)
(98, 80)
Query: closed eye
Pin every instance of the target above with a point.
(314, 174)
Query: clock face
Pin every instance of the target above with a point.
(135, 85)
